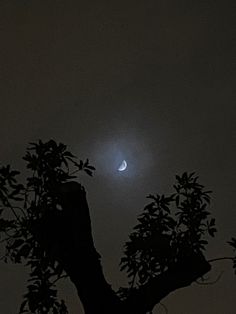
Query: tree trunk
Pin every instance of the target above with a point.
(71, 243)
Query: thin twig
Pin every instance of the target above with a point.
(220, 259)
(133, 280)
(21, 209)
(61, 277)
(14, 212)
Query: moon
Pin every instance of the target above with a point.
(123, 166)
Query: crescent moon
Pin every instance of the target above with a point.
(123, 166)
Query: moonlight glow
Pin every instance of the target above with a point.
(123, 166)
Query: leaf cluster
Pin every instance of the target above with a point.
(23, 205)
(169, 228)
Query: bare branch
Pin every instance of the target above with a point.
(221, 259)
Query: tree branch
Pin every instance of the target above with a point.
(231, 258)
(67, 237)
(182, 274)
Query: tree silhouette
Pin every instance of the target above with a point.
(45, 223)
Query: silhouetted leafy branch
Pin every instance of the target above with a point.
(168, 241)
(51, 164)
(169, 228)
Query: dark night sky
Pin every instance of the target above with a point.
(149, 81)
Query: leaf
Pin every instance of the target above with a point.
(22, 307)
(89, 172)
(233, 243)
(177, 200)
(16, 243)
(91, 167)
(212, 231)
(212, 222)
(6, 224)
(68, 154)
(24, 251)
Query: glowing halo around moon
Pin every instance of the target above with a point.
(123, 166)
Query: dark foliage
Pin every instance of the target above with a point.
(169, 229)
(22, 206)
